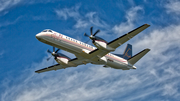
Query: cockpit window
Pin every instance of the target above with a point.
(47, 30)
(44, 31)
(50, 30)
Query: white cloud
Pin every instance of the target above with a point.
(131, 2)
(95, 20)
(41, 1)
(97, 83)
(71, 84)
(131, 16)
(92, 82)
(5, 4)
(123, 28)
(170, 89)
(90, 18)
(82, 21)
(161, 63)
(69, 12)
(6, 23)
(161, 40)
(173, 6)
(72, 12)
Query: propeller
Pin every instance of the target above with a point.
(92, 36)
(54, 53)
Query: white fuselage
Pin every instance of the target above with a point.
(80, 49)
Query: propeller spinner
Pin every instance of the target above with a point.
(92, 36)
(54, 53)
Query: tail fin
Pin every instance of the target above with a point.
(127, 52)
(138, 56)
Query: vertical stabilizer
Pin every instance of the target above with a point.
(127, 52)
(138, 56)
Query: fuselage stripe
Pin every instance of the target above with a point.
(88, 48)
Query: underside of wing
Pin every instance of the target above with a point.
(77, 61)
(72, 63)
(98, 53)
(53, 67)
(121, 40)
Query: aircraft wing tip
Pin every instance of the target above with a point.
(37, 72)
(147, 24)
(148, 49)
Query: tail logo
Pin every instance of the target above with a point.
(126, 54)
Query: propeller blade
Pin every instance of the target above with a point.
(49, 58)
(53, 61)
(53, 49)
(49, 51)
(87, 41)
(86, 35)
(96, 32)
(91, 30)
(57, 50)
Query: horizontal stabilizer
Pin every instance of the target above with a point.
(138, 56)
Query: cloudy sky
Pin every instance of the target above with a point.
(157, 74)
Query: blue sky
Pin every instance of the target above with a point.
(157, 74)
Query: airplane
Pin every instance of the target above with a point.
(85, 53)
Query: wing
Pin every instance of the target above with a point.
(77, 61)
(97, 53)
(121, 40)
(53, 67)
(118, 42)
(73, 63)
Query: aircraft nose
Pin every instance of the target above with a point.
(38, 35)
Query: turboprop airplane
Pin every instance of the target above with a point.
(99, 55)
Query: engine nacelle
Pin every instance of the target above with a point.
(62, 60)
(102, 45)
